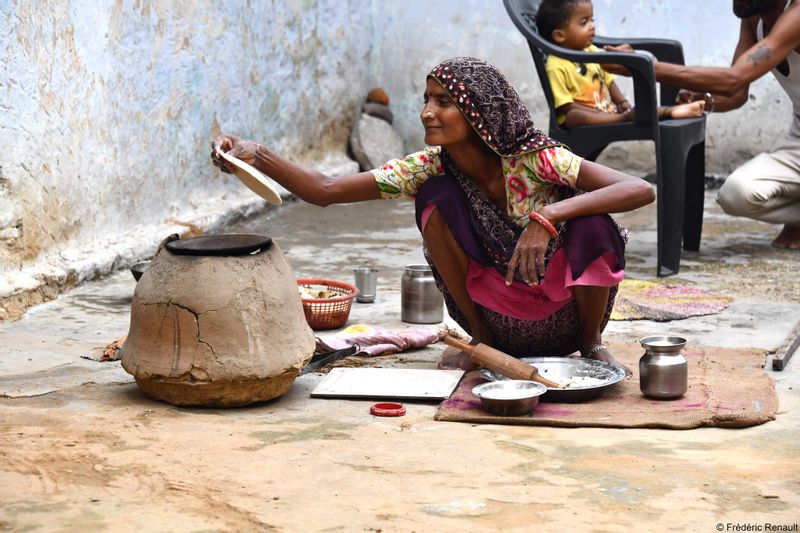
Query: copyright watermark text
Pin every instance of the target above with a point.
(738, 527)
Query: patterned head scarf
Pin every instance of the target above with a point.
(491, 105)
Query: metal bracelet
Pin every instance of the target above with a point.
(707, 97)
(594, 349)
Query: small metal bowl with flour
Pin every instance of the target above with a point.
(581, 379)
(509, 397)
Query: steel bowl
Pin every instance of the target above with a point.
(562, 369)
(509, 397)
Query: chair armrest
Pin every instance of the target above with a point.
(640, 67)
(667, 50)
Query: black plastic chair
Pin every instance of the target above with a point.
(679, 143)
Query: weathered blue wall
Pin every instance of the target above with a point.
(107, 107)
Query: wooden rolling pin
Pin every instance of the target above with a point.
(500, 362)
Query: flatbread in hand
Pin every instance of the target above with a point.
(253, 178)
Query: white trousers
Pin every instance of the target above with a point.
(767, 187)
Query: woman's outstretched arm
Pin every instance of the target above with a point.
(307, 184)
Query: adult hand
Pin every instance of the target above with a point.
(613, 68)
(529, 254)
(625, 47)
(686, 97)
(239, 148)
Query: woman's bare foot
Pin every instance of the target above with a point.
(600, 353)
(692, 109)
(453, 358)
(788, 238)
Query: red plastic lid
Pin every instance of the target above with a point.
(388, 409)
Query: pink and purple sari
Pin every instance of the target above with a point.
(526, 320)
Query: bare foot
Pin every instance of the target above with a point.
(788, 238)
(453, 358)
(605, 356)
(692, 109)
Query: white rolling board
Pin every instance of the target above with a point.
(411, 383)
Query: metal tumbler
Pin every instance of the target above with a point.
(366, 283)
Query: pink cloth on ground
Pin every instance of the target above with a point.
(488, 288)
(378, 341)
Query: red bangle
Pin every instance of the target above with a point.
(551, 229)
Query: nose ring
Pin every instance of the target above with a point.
(429, 114)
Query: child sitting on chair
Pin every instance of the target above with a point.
(584, 93)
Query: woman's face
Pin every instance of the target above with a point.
(443, 122)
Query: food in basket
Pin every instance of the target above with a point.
(315, 293)
(326, 303)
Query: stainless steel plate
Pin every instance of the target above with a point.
(561, 369)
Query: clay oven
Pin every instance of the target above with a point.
(218, 321)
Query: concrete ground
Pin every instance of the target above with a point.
(82, 449)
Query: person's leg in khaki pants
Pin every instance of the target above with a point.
(767, 188)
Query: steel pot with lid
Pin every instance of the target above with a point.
(217, 320)
(421, 302)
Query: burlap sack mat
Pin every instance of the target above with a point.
(727, 388)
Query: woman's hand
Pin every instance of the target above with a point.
(529, 254)
(235, 146)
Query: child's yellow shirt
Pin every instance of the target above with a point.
(583, 83)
